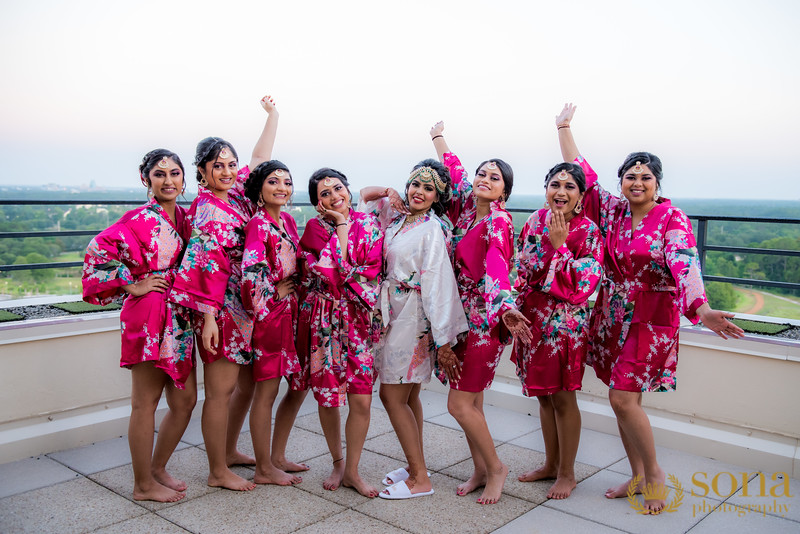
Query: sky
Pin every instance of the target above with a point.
(88, 87)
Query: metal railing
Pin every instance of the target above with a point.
(701, 235)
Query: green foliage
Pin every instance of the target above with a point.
(721, 296)
(8, 316)
(84, 307)
(759, 327)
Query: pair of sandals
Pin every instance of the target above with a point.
(397, 488)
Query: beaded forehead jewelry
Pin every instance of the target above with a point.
(224, 153)
(279, 172)
(327, 182)
(563, 175)
(492, 166)
(163, 164)
(638, 169)
(427, 175)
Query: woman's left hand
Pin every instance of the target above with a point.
(557, 228)
(396, 201)
(717, 321)
(518, 325)
(449, 362)
(268, 104)
(334, 216)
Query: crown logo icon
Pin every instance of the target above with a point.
(655, 492)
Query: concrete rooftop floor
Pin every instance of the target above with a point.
(88, 489)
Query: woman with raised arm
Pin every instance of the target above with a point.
(269, 266)
(560, 256)
(420, 308)
(136, 259)
(208, 288)
(651, 276)
(341, 255)
(483, 262)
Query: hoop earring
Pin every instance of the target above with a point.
(578, 209)
(260, 202)
(203, 181)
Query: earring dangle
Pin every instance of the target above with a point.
(260, 202)
(578, 209)
(203, 181)
(546, 204)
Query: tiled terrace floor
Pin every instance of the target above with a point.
(89, 489)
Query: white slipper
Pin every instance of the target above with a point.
(398, 475)
(400, 491)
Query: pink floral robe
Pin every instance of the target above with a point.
(209, 279)
(142, 243)
(484, 265)
(336, 332)
(651, 276)
(554, 287)
(270, 255)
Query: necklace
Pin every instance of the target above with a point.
(410, 219)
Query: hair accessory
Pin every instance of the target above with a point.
(327, 182)
(563, 175)
(224, 153)
(279, 172)
(163, 164)
(492, 166)
(427, 175)
(638, 169)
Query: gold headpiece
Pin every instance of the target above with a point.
(163, 164)
(427, 175)
(279, 172)
(563, 175)
(638, 169)
(492, 166)
(224, 153)
(327, 182)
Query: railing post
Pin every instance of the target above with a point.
(702, 228)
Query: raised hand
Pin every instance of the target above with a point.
(268, 104)
(557, 228)
(518, 325)
(155, 283)
(334, 216)
(437, 129)
(565, 117)
(397, 202)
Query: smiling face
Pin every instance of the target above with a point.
(333, 195)
(277, 189)
(220, 172)
(488, 183)
(420, 196)
(166, 180)
(563, 195)
(639, 187)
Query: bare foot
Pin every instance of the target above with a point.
(656, 489)
(334, 480)
(415, 486)
(237, 458)
(358, 484)
(494, 486)
(289, 467)
(622, 489)
(273, 475)
(157, 492)
(562, 488)
(230, 480)
(543, 473)
(475, 481)
(164, 478)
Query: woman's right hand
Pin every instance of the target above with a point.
(437, 129)
(285, 287)
(556, 228)
(268, 104)
(155, 283)
(210, 334)
(565, 117)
